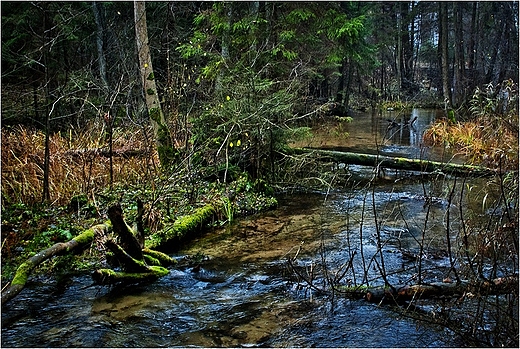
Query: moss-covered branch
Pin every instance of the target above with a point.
(74, 245)
(395, 162)
(503, 285)
(110, 277)
(177, 231)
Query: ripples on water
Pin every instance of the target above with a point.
(229, 302)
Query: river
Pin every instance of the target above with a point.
(243, 291)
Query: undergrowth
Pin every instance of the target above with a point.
(78, 162)
(81, 192)
(490, 136)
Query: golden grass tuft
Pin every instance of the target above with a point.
(492, 142)
(75, 165)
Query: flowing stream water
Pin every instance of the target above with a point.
(245, 293)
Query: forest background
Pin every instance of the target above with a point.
(234, 83)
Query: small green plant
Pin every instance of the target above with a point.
(228, 209)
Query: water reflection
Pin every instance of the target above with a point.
(390, 133)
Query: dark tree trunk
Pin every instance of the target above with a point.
(458, 85)
(472, 37)
(490, 74)
(443, 52)
(128, 240)
(97, 9)
(46, 162)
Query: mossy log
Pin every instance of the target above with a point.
(127, 236)
(138, 264)
(406, 293)
(173, 233)
(74, 245)
(153, 257)
(110, 277)
(398, 163)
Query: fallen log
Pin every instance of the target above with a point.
(124, 153)
(398, 163)
(129, 254)
(74, 245)
(404, 293)
(110, 276)
(174, 233)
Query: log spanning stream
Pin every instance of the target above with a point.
(245, 293)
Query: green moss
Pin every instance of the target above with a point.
(150, 260)
(159, 271)
(182, 226)
(85, 237)
(354, 289)
(150, 76)
(88, 235)
(113, 276)
(163, 258)
(167, 155)
(155, 115)
(150, 92)
(22, 273)
(165, 149)
(451, 115)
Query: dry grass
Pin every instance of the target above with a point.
(489, 141)
(73, 170)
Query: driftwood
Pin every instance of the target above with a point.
(406, 293)
(398, 163)
(74, 245)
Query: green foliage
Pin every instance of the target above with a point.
(228, 209)
(492, 100)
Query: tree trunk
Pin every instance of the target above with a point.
(100, 29)
(225, 45)
(165, 147)
(458, 88)
(399, 50)
(443, 52)
(128, 240)
(472, 37)
(394, 162)
(46, 162)
(137, 265)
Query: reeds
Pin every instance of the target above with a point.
(485, 140)
(78, 162)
